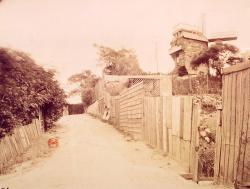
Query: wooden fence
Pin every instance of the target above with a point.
(168, 127)
(12, 146)
(167, 123)
(232, 163)
(131, 110)
(114, 108)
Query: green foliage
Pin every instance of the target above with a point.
(182, 71)
(87, 82)
(86, 79)
(206, 159)
(25, 89)
(216, 56)
(87, 96)
(201, 84)
(119, 62)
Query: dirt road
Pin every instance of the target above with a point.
(93, 155)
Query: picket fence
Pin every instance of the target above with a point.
(14, 145)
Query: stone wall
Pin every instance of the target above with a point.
(192, 48)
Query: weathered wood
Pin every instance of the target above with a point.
(227, 128)
(181, 117)
(218, 148)
(244, 137)
(243, 118)
(176, 116)
(236, 68)
(154, 124)
(159, 130)
(131, 111)
(169, 112)
(164, 126)
(185, 155)
(187, 118)
(14, 145)
(157, 123)
(132, 89)
(176, 148)
(239, 114)
(161, 122)
(195, 142)
(232, 130)
(232, 158)
(150, 131)
(224, 98)
(170, 140)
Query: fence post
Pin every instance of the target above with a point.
(218, 141)
(194, 153)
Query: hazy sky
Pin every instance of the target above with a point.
(61, 33)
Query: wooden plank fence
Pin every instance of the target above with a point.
(233, 138)
(167, 123)
(131, 110)
(168, 127)
(114, 108)
(12, 146)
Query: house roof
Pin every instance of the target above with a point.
(174, 49)
(194, 36)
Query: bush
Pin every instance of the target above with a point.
(25, 89)
(196, 85)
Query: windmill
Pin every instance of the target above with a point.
(188, 41)
(218, 36)
(223, 36)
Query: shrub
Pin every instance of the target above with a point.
(201, 84)
(26, 88)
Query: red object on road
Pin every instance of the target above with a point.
(53, 142)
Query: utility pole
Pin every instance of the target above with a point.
(156, 57)
(203, 23)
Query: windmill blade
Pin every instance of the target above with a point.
(223, 36)
(100, 64)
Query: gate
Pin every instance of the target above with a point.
(233, 137)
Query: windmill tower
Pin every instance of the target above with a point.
(188, 41)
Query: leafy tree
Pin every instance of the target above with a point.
(86, 79)
(119, 62)
(216, 56)
(87, 96)
(25, 89)
(87, 82)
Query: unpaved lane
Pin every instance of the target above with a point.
(93, 155)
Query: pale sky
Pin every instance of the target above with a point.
(61, 33)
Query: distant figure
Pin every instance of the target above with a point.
(106, 114)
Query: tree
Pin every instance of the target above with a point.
(26, 88)
(119, 62)
(87, 82)
(87, 96)
(216, 56)
(86, 79)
